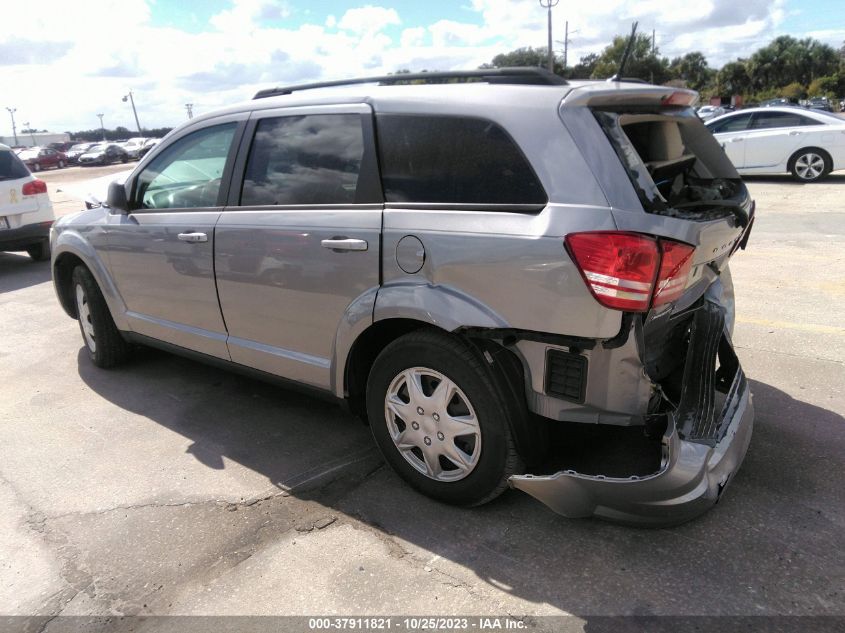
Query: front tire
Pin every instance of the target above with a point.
(439, 420)
(106, 347)
(810, 165)
(61, 164)
(39, 252)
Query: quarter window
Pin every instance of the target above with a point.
(444, 159)
(188, 173)
(310, 159)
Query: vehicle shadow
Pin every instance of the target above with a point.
(18, 271)
(834, 178)
(752, 554)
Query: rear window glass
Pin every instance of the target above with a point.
(311, 159)
(11, 167)
(443, 159)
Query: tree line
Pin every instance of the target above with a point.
(786, 67)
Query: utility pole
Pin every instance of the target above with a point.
(565, 44)
(134, 111)
(548, 4)
(190, 108)
(102, 129)
(652, 42)
(14, 129)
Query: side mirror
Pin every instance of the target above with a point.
(116, 198)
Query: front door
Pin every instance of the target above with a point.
(161, 253)
(773, 137)
(731, 133)
(299, 241)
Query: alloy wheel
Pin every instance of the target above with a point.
(809, 166)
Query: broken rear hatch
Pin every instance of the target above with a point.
(665, 177)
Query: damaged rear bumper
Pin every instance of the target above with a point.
(700, 452)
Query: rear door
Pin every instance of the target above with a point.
(772, 138)
(160, 254)
(300, 238)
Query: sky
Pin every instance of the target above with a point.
(62, 63)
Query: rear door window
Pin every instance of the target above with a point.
(450, 159)
(769, 120)
(304, 160)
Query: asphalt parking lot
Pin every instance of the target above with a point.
(168, 487)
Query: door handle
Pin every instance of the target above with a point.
(795, 133)
(193, 237)
(344, 244)
(737, 140)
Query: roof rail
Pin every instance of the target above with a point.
(514, 75)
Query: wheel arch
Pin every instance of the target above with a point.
(530, 433)
(71, 250)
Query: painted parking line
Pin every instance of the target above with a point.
(791, 325)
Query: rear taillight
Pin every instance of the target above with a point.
(675, 264)
(33, 187)
(624, 270)
(619, 268)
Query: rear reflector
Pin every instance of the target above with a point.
(623, 270)
(34, 187)
(619, 268)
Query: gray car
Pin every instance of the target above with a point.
(479, 264)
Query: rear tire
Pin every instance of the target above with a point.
(810, 165)
(455, 448)
(39, 252)
(106, 347)
(36, 166)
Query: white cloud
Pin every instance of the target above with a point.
(368, 19)
(412, 37)
(253, 44)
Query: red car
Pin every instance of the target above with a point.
(38, 158)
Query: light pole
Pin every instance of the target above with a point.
(134, 111)
(14, 129)
(548, 4)
(102, 129)
(31, 135)
(190, 108)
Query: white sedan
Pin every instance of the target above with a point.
(809, 144)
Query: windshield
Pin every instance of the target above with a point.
(98, 148)
(11, 167)
(80, 147)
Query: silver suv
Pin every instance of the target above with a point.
(476, 263)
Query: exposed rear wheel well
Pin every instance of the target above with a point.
(62, 273)
(530, 433)
(363, 353)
